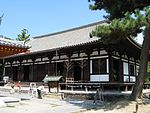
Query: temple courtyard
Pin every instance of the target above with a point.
(24, 103)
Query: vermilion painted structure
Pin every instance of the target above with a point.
(10, 47)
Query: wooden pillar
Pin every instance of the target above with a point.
(35, 72)
(58, 87)
(69, 64)
(109, 50)
(20, 61)
(20, 73)
(50, 56)
(110, 67)
(57, 55)
(32, 69)
(89, 67)
(120, 68)
(3, 68)
(11, 67)
(128, 67)
(82, 65)
(88, 52)
(32, 72)
(69, 56)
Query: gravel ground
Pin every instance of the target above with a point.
(49, 105)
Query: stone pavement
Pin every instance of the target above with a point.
(30, 104)
(47, 105)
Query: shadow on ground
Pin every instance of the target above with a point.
(113, 103)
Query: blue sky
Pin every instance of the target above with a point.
(41, 17)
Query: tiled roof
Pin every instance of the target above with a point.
(12, 43)
(72, 37)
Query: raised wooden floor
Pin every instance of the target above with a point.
(93, 86)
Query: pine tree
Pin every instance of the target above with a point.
(122, 25)
(23, 36)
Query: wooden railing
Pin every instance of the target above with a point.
(93, 86)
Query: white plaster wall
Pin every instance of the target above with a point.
(82, 54)
(101, 78)
(74, 55)
(44, 59)
(137, 70)
(94, 53)
(125, 68)
(132, 79)
(63, 57)
(103, 52)
(91, 66)
(107, 65)
(126, 78)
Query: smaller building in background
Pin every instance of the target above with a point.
(9, 48)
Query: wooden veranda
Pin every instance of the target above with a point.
(93, 86)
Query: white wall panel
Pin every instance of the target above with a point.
(104, 77)
(126, 79)
(91, 66)
(132, 79)
(107, 65)
(125, 68)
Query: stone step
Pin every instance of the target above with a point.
(53, 95)
(9, 99)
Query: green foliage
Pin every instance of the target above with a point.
(128, 25)
(24, 36)
(147, 78)
(117, 8)
(120, 29)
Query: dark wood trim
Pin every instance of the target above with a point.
(69, 54)
(135, 70)
(110, 67)
(49, 57)
(129, 68)
(120, 69)
(99, 74)
(89, 67)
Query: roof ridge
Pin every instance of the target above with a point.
(75, 28)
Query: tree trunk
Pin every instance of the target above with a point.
(138, 87)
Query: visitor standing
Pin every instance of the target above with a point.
(12, 91)
(19, 86)
(39, 91)
(32, 89)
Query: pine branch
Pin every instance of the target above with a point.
(120, 29)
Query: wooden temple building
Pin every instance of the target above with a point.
(76, 57)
